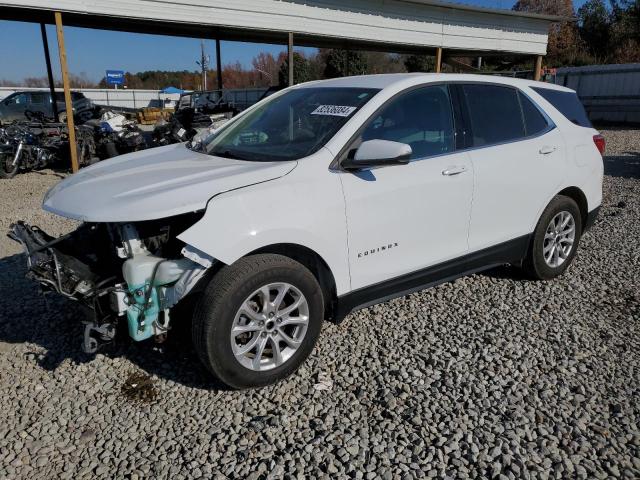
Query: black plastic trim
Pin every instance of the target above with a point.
(591, 219)
(512, 251)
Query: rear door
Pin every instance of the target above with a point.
(517, 155)
(404, 218)
(40, 102)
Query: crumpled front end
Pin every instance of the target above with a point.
(132, 271)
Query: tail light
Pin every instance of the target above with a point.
(600, 143)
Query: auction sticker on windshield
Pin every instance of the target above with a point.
(335, 110)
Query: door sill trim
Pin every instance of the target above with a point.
(510, 252)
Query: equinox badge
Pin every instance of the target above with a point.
(383, 248)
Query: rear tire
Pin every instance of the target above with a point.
(555, 239)
(246, 341)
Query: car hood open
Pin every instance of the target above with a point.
(155, 183)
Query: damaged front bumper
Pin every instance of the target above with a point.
(53, 268)
(110, 270)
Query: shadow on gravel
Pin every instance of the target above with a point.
(506, 272)
(55, 325)
(625, 166)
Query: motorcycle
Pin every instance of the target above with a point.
(40, 143)
(115, 135)
(181, 127)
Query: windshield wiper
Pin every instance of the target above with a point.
(228, 154)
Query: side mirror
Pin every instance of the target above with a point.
(378, 153)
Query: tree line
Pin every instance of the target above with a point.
(600, 31)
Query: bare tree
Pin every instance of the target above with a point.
(267, 68)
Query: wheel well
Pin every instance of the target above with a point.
(315, 263)
(579, 197)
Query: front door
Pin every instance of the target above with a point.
(13, 107)
(403, 218)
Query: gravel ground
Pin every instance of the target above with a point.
(489, 376)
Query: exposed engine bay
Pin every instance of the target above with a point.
(135, 270)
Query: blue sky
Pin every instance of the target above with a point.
(91, 52)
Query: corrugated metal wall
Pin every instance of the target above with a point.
(610, 93)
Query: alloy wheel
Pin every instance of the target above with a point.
(269, 326)
(559, 239)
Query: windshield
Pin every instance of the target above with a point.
(289, 126)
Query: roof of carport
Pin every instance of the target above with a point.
(390, 25)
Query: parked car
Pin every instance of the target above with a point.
(14, 106)
(324, 198)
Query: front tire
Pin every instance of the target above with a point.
(7, 169)
(555, 239)
(258, 320)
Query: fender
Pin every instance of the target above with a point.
(307, 208)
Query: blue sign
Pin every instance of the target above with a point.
(114, 77)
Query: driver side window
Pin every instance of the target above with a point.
(421, 118)
(20, 99)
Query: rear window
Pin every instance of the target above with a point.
(534, 121)
(567, 103)
(74, 96)
(495, 114)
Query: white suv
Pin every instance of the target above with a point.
(323, 198)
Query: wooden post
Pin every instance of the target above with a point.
(47, 59)
(218, 64)
(537, 75)
(290, 55)
(438, 59)
(67, 94)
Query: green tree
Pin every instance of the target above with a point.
(594, 25)
(342, 63)
(625, 31)
(301, 71)
(420, 63)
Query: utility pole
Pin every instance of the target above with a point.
(47, 58)
(218, 64)
(204, 64)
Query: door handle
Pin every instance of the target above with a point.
(454, 170)
(546, 150)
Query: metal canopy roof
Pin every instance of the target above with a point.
(493, 11)
(385, 25)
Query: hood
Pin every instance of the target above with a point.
(155, 183)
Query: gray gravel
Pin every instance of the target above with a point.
(489, 376)
(20, 199)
